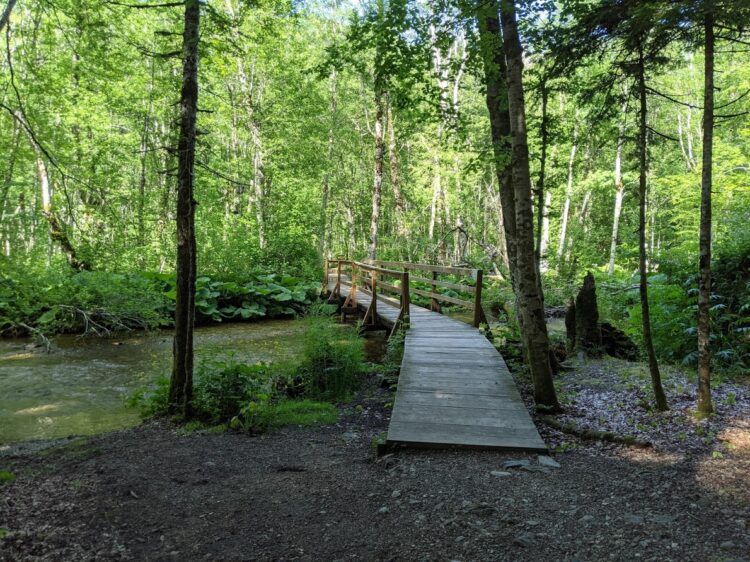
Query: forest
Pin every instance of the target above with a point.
(179, 176)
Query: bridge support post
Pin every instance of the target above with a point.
(371, 316)
(402, 322)
(479, 317)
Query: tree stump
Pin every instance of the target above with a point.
(588, 335)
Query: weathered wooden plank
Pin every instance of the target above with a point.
(454, 388)
(472, 436)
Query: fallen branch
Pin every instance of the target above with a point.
(593, 434)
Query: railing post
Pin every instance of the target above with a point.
(434, 304)
(405, 298)
(478, 312)
(325, 276)
(337, 288)
(371, 316)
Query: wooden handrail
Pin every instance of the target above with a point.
(427, 267)
(368, 277)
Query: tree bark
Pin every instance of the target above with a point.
(659, 396)
(619, 194)
(529, 293)
(395, 175)
(181, 387)
(6, 14)
(491, 48)
(540, 193)
(568, 196)
(377, 187)
(544, 236)
(704, 289)
(325, 234)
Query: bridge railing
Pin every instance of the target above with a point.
(434, 280)
(368, 278)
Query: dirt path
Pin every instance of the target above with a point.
(151, 493)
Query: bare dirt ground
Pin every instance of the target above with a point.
(156, 493)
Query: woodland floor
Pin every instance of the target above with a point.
(156, 493)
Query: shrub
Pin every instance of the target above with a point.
(333, 359)
(222, 389)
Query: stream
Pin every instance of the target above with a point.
(80, 387)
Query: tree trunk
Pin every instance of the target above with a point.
(704, 291)
(325, 233)
(659, 396)
(259, 180)
(491, 48)
(6, 13)
(541, 201)
(529, 293)
(544, 236)
(401, 230)
(619, 194)
(568, 196)
(377, 187)
(181, 386)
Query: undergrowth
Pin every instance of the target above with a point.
(265, 396)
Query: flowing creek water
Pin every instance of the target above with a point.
(80, 388)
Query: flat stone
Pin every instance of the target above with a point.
(544, 460)
(586, 519)
(500, 473)
(726, 545)
(663, 519)
(383, 510)
(524, 539)
(516, 463)
(634, 519)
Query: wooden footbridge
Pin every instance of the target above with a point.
(454, 388)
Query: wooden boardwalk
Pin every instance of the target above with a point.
(454, 388)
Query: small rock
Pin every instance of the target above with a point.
(726, 545)
(396, 494)
(586, 519)
(544, 460)
(634, 519)
(500, 473)
(524, 539)
(516, 463)
(663, 519)
(383, 510)
(532, 522)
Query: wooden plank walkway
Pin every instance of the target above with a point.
(454, 388)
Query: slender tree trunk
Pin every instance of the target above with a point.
(544, 236)
(529, 293)
(619, 194)
(6, 13)
(491, 48)
(8, 179)
(401, 229)
(704, 291)
(568, 196)
(377, 187)
(659, 396)
(259, 180)
(540, 193)
(325, 242)
(181, 387)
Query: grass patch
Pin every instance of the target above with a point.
(6, 477)
(296, 412)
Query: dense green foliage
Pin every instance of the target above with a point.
(100, 302)
(284, 164)
(263, 396)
